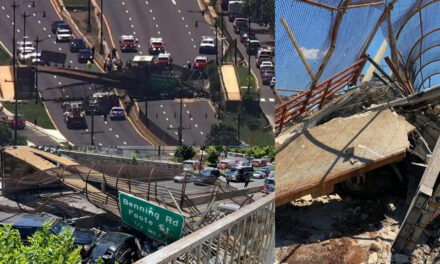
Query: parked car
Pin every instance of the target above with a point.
(263, 58)
(267, 76)
(239, 23)
(203, 179)
(240, 174)
(211, 172)
(85, 55)
(252, 46)
(117, 112)
(116, 247)
(189, 177)
(28, 224)
(269, 185)
(259, 162)
(265, 170)
(10, 120)
(244, 35)
(266, 65)
(55, 25)
(259, 175)
(225, 164)
(76, 45)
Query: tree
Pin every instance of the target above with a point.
(44, 247)
(7, 138)
(133, 159)
(222, 135)
(184, 152)
(212, 154)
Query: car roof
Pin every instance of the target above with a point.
(201, 58)
(33, 220)
(117, 108)
(164, 55)
(127, 37)
(115, 237)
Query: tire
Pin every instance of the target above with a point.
(362, 186)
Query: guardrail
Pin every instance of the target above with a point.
(315, 96)
(245, 236)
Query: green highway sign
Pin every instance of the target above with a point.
(154, 221)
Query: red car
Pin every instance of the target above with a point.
(20, 124)
(200, 62)
(156, 46)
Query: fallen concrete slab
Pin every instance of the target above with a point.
(335, 151)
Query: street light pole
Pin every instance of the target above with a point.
(89, 25)
(221, 41)
(101, 47)
(14, 69)
(216, 46)
(36, 71)
(92, 141)
(249, 53)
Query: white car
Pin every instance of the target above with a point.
(29, 55)
(117, 113)
(207, 45)
(259, 175)
(189, 177)
(25, 45)
(269, 185)
(63, 33)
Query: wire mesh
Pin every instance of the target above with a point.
(313, 27)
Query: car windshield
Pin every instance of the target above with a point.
(201, 60)
(269, 181)
(206, 172)
(59, 227)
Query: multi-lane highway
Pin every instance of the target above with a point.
(110, 132)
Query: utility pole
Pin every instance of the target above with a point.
(92, 141)
(181, 117)
(146, 110)
(14, 73)
(221, 41)
(249, 57)
(216, 46)
(101, 47)
(238, 125)
(36, 71)
(89, 25)
(24, 26)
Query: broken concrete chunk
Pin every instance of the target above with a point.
(372, 259)
(391, 207)
(375, 247)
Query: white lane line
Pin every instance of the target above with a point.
(175, 132)
(186, 25)
(263, 100)
(39, 21)
(158, 32)
(129, 18)
(60, 49)
(151, 11)
(18, 30)
(183, 140)
(3, 7)
(54, 76)
(134, 32)
(154, 18)
(174, 2)
(7, 16)
(178, 11)
(189, 32)
(196, 125)
(49, 36)
(123, 3)
(44, 28)
(183, 18)
(105, 122)
(70, 61)
(157, 25)
(132, 26)
(184, 105)
(164, 112)
(59, 83)
(146, 2)
(100, 144)
(117, 136)
(125, 143)
(161, 106)
(171, 126)
(110, 129)
(272, 100)
(126, 11)
(195, 46)
(166, 119)
(187, 111)
(201, 132)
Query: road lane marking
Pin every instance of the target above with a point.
(174, 2)
(110, 129)
(263, 100)
(117, 136)
(100, 144)
(196, 125)
(271, 100)
(146, 2)
(125, 143)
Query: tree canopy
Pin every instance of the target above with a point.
(184, 152)
(44, 247)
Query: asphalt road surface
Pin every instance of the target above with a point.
(197, 118)
(52, 87)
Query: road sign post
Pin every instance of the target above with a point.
(154, 221)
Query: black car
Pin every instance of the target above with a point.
(84, 55)
(76, 45)
(116, 246)
(28, 224)
(55, 25)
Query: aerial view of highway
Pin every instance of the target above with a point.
(153, 73)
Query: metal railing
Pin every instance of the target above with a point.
(315, 96)
(245, 236)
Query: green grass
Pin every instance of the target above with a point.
(262, 136)
(243, 73)
(30, 110)
(76, 2)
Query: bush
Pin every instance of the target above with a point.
(184, 152)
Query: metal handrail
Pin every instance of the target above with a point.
(316, 95)
(252, 227)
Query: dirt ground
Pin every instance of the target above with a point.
(335, 229)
